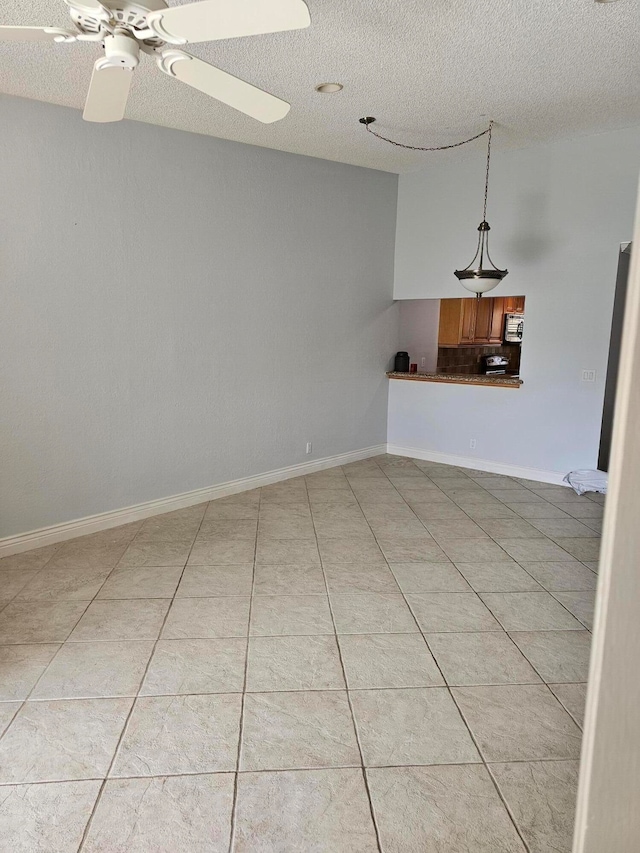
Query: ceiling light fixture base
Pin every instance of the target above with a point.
(329, 88)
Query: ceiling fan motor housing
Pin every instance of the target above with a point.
(124, 14)
(121, 51)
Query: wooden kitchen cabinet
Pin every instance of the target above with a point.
(471, 321)
(514, 304)
(468, 328)
(484, 321)
(450, 327)
(489, 320)
(497, 320)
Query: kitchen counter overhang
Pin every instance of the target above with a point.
(496, 381)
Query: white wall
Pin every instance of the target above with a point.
(558, 214)
(180, 311)
(418, 322)
(607, 815)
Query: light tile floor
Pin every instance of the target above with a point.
(389, 656)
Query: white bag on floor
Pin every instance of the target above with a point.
(587, 481)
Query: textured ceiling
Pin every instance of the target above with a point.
(431, 71)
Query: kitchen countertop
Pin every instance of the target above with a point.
(499, 381)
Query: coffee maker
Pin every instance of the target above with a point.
(401, 364)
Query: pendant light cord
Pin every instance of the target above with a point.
(485, 279)
(486, 183)
(367, 121)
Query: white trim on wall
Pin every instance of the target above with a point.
(105, 520)
(488, 465)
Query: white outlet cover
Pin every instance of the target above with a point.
(589, 375)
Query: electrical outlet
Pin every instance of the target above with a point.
(423, 362)
(472, 444)
(309, 447)
(588, 375)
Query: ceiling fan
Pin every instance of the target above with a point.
(125, 28)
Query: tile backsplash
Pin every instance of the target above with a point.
(468, 359)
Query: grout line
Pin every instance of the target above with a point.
(290, 770)
(486, 766)
(575, 719)
(543, 681)
(234, 804)
(471, 590)
(472, 736)
(506, 805)
(15, 599)
(577, 618)
(310, 689)
(307, 634)
(60, 644)
(346, 683)
(11, 719)
(468, 727)
(493, 540)
(539, 674)
(87, 827)
(414, 618)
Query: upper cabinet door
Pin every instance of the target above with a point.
(497, 320)
(450, 328)
(469, 321)
(514, 304)
(484, 320)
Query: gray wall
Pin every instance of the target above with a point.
(418, 321)
(180, 311)
(558, 214)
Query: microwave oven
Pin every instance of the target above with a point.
(513, 328)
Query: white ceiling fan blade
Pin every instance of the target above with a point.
(34, 34)
(108, 93)
(210, 20)
(222, 86)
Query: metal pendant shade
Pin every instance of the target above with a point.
(477, 277)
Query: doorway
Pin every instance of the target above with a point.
(620, 298)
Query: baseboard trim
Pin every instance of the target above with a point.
(103, 521)
(488, 465)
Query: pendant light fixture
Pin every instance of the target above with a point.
(477, 277)
(482, 274)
